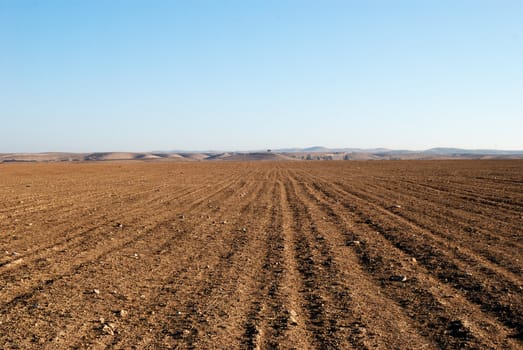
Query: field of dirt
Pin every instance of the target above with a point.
(262, 255)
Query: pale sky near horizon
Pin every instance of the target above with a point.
(128, 75)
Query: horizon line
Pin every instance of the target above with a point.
(287, 150)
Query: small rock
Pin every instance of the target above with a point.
(292, 317)
(96, 291)
(398, 278)
(413, 260)
(122, 313)
(102, 320)
(224, 222)
(243, 229)
(107, 329)
(349, 243)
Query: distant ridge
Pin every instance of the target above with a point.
(309, 153)
(470, 151)
(438, 150)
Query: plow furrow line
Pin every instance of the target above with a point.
(449, 269)
(85, 255)
(445, 227)
(416, 294)
(213, 267)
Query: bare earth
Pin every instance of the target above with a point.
(291, 255)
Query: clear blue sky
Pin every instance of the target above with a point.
(108, 75)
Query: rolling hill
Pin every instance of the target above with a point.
(310, 153)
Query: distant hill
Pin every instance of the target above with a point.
(448, 151)
(319, 149)
(309, 153)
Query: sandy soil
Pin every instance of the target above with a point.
(291, 255)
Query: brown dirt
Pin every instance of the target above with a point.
(325, 255)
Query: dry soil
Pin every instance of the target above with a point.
(260, 255)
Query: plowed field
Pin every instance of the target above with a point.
(303, 255)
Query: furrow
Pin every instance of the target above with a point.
(450, 269)
(327, 301)
(448, 228)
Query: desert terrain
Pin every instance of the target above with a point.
(262, 255)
